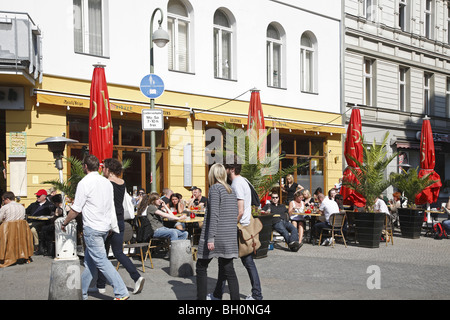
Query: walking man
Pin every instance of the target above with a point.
(95, 199)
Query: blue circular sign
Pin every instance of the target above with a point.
(152, 86)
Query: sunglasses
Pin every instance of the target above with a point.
(275, 197)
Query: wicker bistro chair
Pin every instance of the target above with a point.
(337, 221)
(388, 228)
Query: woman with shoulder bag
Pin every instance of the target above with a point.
(218, 240)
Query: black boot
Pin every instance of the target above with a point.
(40, 251)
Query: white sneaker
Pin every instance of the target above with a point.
(249, 297)
(326, 242)
(139, 285)
(210, 296)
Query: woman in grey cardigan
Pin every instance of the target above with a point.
(218, 238)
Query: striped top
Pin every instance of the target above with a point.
(220, 225)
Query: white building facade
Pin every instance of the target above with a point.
(397, 71)
(218, 52)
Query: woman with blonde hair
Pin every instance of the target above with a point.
(218, 240)
(297, 206)
(290, 188)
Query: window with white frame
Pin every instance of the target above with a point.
(368, 78)
(308, 48)
(274, 56)
(447, 98)
(179, 29)
(427, 95)
(448, 22)
(370, 9)
(428, 19)
(89, 28)
(403, 15)
(403, 88)
(223, 41)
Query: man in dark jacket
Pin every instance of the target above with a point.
(42, 207)
(281, 224)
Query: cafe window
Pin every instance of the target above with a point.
(130, 142)
(308, 152)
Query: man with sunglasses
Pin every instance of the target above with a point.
(281, 224)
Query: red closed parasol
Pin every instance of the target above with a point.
(427, 163)
(256, 121)
(100, 122)
(354, 148)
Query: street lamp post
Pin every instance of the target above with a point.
(65, 280)
(160, 38)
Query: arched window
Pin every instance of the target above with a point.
(308, 56)
(223, 45)
(179, 28)
(275, 49)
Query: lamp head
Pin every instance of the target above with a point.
(160, 37)
(56, 145)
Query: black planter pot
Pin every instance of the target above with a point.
(368, 228)
(264, 236)
(411, 221)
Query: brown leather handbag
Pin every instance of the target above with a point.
(249, 237)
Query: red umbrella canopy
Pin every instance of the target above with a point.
(256, 120)
(100, 123)
(353, 147)
(427, 163)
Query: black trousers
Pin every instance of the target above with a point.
(226, 268)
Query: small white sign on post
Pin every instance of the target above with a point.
(152, 120)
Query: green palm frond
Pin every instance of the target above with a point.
(410, 184)
(370, 179)
(265, 175)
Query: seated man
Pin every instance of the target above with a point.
(197, 199)
(11, 210)
(42, 207)
(326, 208)
(155, 216)
(446, 223)
(281, 224)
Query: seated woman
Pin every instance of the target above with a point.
(176, 205)
(307, 198)
(155, 216)
(297, 206)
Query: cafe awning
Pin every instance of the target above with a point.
(80, 101)
(287, 118)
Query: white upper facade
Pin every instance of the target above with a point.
(290, 50)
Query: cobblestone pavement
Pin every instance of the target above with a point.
(409, 269)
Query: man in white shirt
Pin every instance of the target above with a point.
(327, 207)
(380, 206)
(95, 199)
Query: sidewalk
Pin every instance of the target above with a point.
(409, 269)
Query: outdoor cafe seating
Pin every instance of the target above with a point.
(16, 243)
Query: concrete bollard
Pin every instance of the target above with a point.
(65, 277)
(65, 280)
(181, 261)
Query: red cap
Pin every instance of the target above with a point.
(41, 192)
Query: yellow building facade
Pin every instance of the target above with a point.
(60, 106)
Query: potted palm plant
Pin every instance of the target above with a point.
(370, 183)
(264, 175)
(411, 217)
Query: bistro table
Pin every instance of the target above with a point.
(314, 215)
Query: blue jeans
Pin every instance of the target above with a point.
(287, 230)
(446, 225)
(95, 258)
(172, 233)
